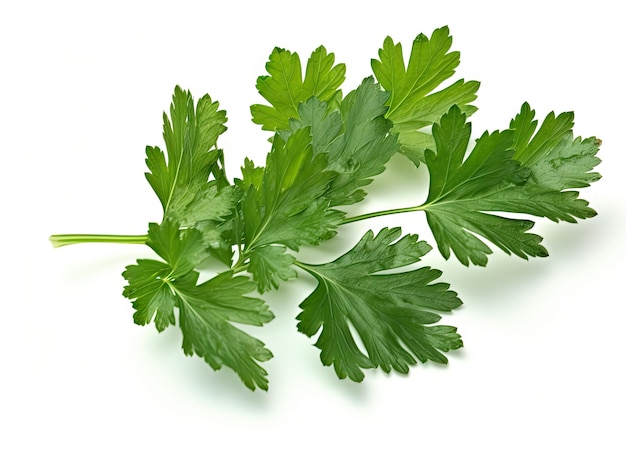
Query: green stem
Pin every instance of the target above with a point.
(240, 268)
(381, 213)
(59, 240)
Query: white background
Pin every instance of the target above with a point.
(83, 88)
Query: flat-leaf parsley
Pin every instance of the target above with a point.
(372, 307)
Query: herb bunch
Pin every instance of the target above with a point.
(326, 147)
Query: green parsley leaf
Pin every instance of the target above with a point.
(270, 265)
(148, 288)
(413, 105)
(190, 135)
(207, 311)
(558, 164)
(459, 187)
(284, 88)
(150, 281)
(182, 249)
(509, 171)
(356, 138)
(288, 206)
(392, 313)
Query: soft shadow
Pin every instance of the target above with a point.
(193, 376)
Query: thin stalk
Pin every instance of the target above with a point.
(59, 240)
(240, 268)
(382, 213)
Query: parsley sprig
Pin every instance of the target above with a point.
(374, 306)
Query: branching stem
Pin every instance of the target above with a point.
(60, 240)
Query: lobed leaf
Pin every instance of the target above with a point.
(519, 170)
(190, 134)
(285, 89)
(392, 313)
(206, 311)
(413, 103)
(288, 206)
